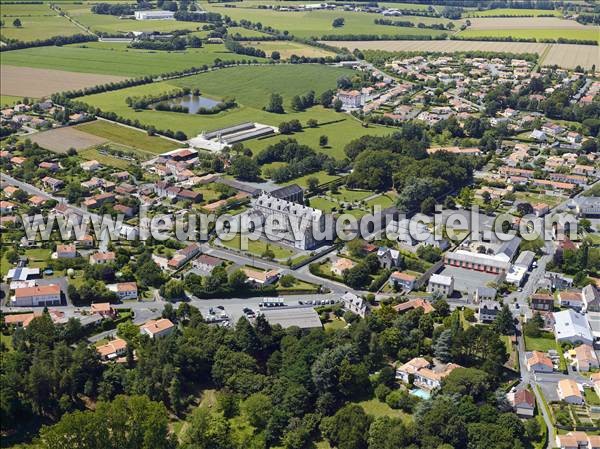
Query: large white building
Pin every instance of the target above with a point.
(283, 217)
(572, 327)
(38, 296)
(154, 15)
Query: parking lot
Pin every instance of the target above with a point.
(466, 281)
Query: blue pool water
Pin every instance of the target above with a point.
(420, 393)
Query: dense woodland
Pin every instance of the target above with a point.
(292, 387)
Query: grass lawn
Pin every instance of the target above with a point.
(539, 344)
(105, 159)
(128, 136)
(319, 23)
(534, 198)
(335, 324)
(38, 27)
(322, 204)
(258, 247)
(338, 127)
(245, 32)
(322, 176)
(114, 58)
(6, 340)
(537, 33)
(383, 201)
(38, 257)
(591, 398)
(298, 285)
(348, 195)
(376, 408)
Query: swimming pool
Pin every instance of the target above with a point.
(418, 392)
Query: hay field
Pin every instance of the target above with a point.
(507, 23)
(515, 12)
(37, 83)
(526, 32)
(563, 55)
(61, 139)
(569, 56)
(289, 48)
(36, 27)
(446, 46)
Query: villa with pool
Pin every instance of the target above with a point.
(424, 374)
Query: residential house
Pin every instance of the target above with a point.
(87, 241)
(388, 258)
(571, 299)
(52, 183)
(441, 284)
(37, 296)
(259, 277)
(112, 350)
(416, 303)
(486, 294)
(37, 201)
(355, 304)
(568, 391)
(206, 263)
(102, 258)
(126, 290)
(352, 99)
(340, 265)
(183, 256)
(542, 302)
(127, 211)
(523, 402)
(90, 165)
(585, 358)
(67, 251)
(402, 280)
(487, 311)
(104, 309)
(50, 166)
(577, 440)
(424, 374)
(6, 207)
(539, 362)
(158, 328)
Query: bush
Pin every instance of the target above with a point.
(382, 391)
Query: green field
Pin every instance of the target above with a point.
(116, 59)
(9, 100)
(258, 247)
(251, 86)
(319, 23)
(38, 27)
(537, 33)
(24, 9)
(245, 32)
(543, 344)
(128, 137)
(513, 12)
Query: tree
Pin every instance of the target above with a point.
(17, 23)
(338, 105)
(245, 168)
(237, 280)
(257, 409)
(312, 123)
(443, 346)
(524, 208)
(465, 197)
(348, 428)
(297, 104)
(172, 290)
(428, 205)
(504, 321)
(287, 280)
(467, 381)
(533, 327)
(313, 184)
(338, 22)
(323, 141)
(206, 430)
(388, 433)
(275, 56)
(275, 104)
(128, 421)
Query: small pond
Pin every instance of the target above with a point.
(193, 102)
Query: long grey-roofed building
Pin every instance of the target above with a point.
(525, 259)
(302, 317)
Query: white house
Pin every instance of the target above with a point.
(572, 327)
(355, 304)
(442, 284)
(424, 374)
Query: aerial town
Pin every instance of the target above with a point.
(273, 224)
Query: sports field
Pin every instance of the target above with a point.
(127, 136)
(111, 58)
(37, 83)
(289, 48)
(319, 23)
